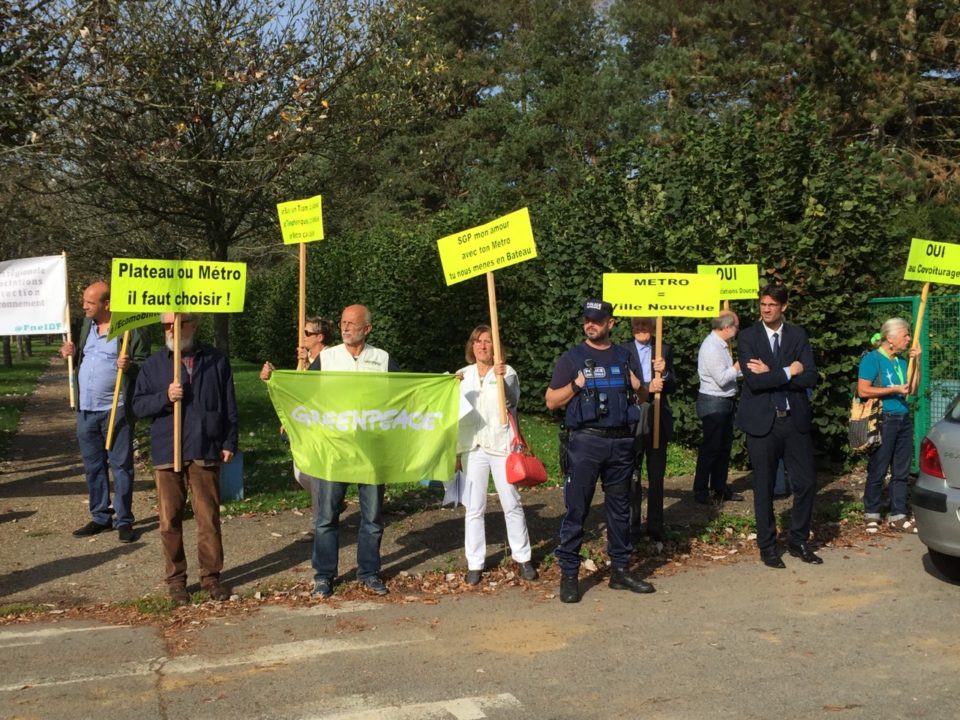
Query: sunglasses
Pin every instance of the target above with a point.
(310, 333)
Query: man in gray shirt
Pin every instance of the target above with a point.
(715, 407)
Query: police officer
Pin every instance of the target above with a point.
(597, 382)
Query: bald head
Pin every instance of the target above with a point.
(96, 302)
(355, 325)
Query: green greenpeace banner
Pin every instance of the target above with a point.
(370, 428)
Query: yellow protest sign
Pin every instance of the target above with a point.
(662, 294)
(931, 261)
(736, 281)
(156, 286)
(301, 220)
(508, 240)
(120, 322)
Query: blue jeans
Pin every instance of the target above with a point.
(713, 457)
(895, 452)
(326, 542)
(92, 437)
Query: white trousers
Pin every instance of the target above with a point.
(477, 466)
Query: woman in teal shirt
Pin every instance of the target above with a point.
(883, 374)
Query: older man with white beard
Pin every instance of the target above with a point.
(209, 438)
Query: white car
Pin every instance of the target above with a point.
(936, 495)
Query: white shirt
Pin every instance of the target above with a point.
(481, 427)
(718, 377)
(370, 359)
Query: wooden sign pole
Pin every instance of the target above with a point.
(658, 351)
(68, 337)
(302, 306)
(177, 419)
(116, 391)
(497, 352)
(917, 326)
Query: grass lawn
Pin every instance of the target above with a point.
(16, 384)
(268, 470)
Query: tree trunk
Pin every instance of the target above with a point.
(218, 243)
(20, 354)
(28, 345)
(7, 352)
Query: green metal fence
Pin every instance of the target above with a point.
(940, 360)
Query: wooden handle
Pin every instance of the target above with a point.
(177, 429)
(302, 306)
(497, 353)
(116, 390)
(917, 326)
(658, 351)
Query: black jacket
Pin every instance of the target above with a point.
(757, 409)
(209, 405)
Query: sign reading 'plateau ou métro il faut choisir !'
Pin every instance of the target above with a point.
(139, 285)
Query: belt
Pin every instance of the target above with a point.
(620, 432)
(783, 413)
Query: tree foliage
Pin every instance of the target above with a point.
(183, 117)
(884, 72)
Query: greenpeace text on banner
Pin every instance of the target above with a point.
(370, 428)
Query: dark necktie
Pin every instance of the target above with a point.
(779, 397)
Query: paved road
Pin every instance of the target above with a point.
(870, 634)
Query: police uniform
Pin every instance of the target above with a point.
(600, 443)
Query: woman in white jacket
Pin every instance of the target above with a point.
(482, 450)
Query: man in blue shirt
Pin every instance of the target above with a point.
(97, 361)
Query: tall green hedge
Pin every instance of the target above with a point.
(736, 189)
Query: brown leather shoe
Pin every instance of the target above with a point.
(216, 591)
(179, 595)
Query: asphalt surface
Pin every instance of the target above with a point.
(868, 634)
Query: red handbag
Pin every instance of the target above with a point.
(524, 469)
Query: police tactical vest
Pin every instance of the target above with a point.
(606, 399)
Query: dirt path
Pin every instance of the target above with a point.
(43, 499)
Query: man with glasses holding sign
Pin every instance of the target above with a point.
(597, 383)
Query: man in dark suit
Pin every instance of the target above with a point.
(774, 412)
(643, 349)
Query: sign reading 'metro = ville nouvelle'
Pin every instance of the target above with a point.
(662, 294)
(139, 285)
(508, 240)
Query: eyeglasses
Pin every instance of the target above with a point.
(310, 333)
(169, 325)
(351, 325)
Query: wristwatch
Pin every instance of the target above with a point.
(576, 388)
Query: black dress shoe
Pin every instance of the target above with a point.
(622, 579)
(729, 495)
(91, 528)
(803, 551)
(703, 498)
(772, 560)
(473, 577)
(528, 572)
(569, 589)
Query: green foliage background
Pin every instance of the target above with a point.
(732, 189)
